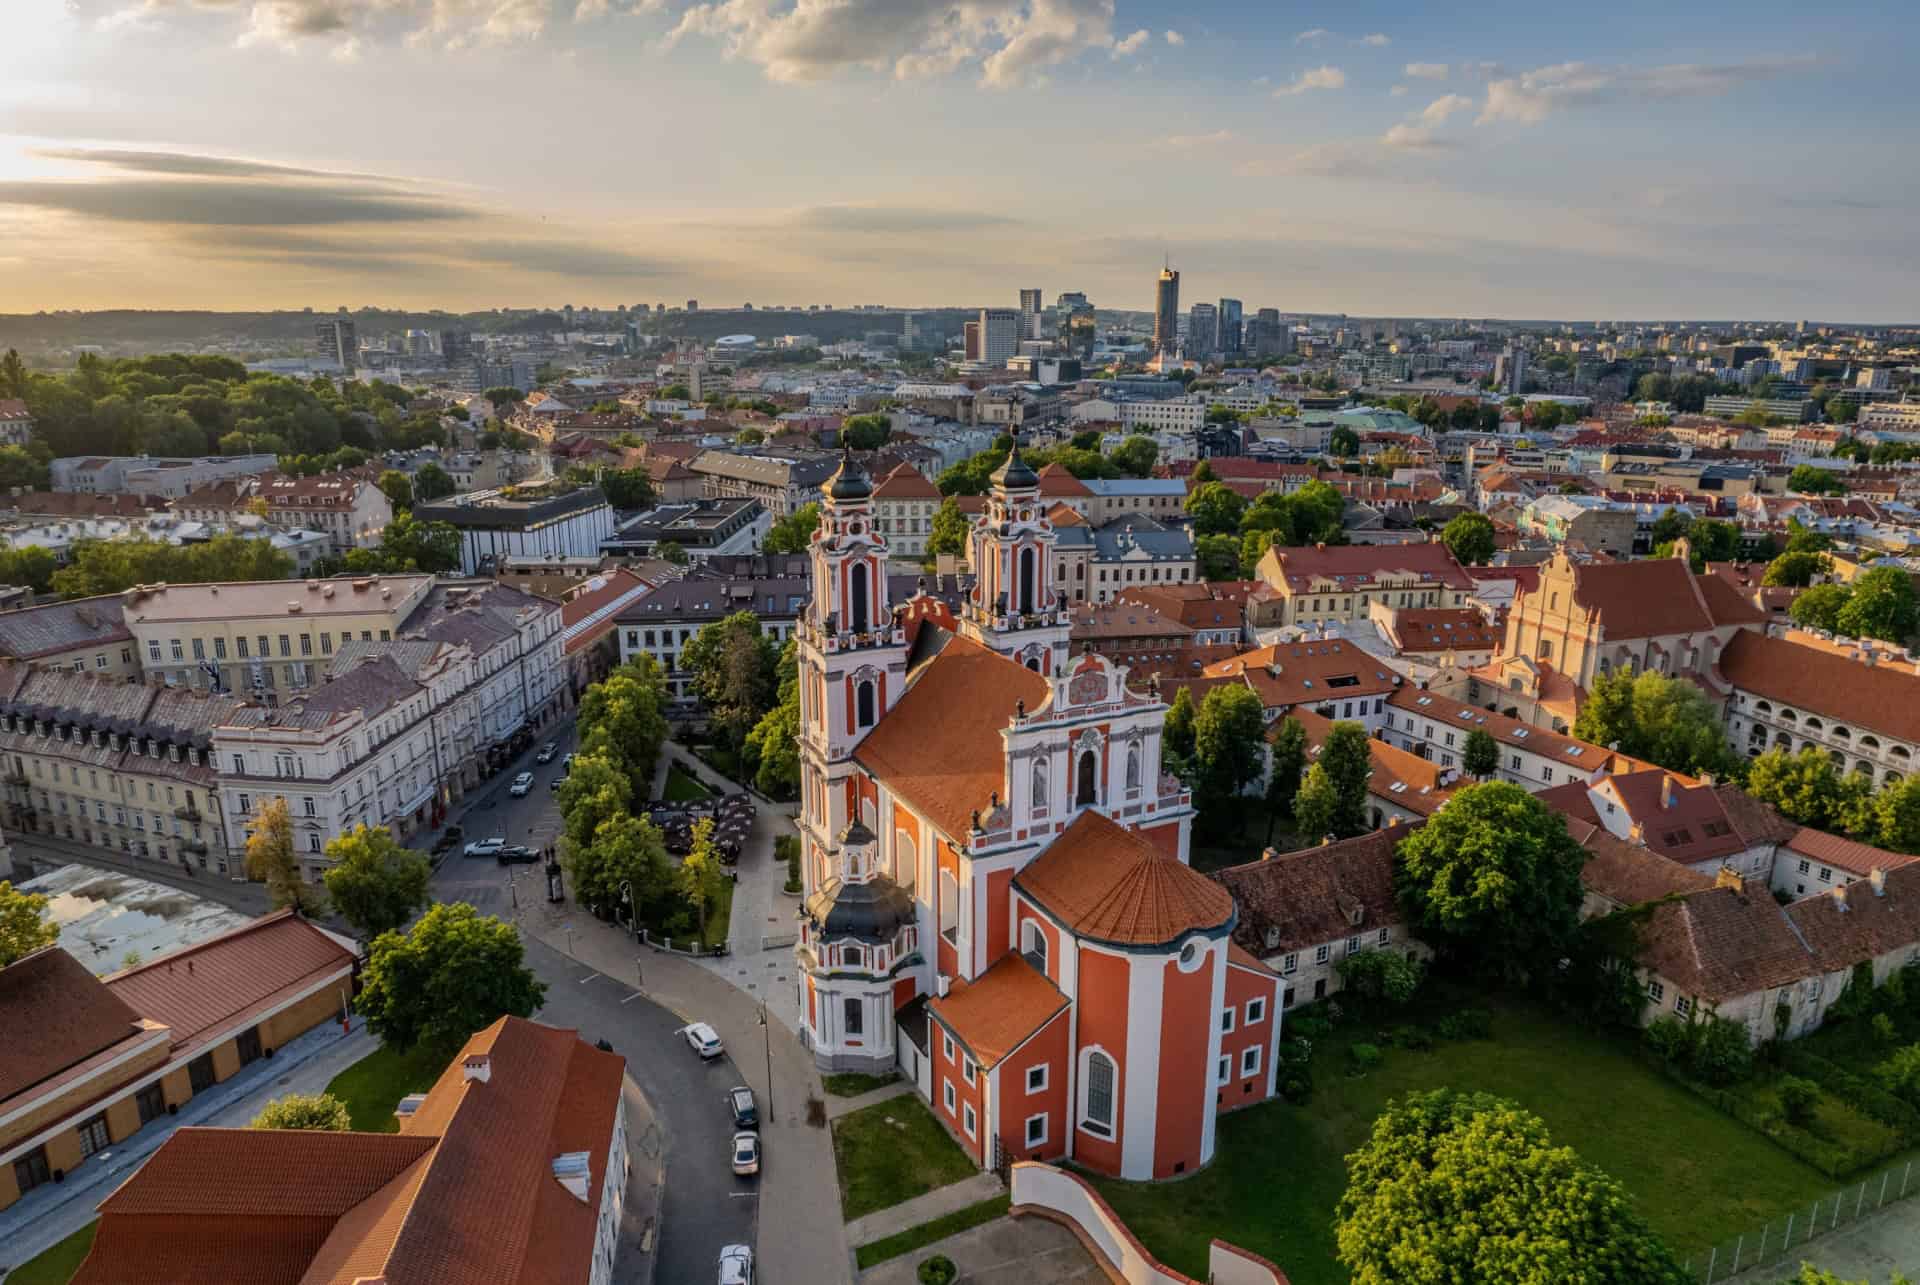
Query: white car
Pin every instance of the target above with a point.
(746, 1154)
(521, 784)
(486, 847)
(736, 1265)
(704, 1040)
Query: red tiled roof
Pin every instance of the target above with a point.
(1125, 620)
(1109, 884)
(1360, 566)
(1289, 901)
(1724, 942)
(906, 483)
(1855, 858)
(995, 1013)
(72, 1016)
(1302, 673)
(1402, 778)
(1445, 629)
(939, 747)
(1629, 874)
(1056, 482)
(1677, 819)
(203, 990)
(1881, 697)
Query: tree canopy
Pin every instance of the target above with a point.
(454, 972)
(1227, 755)
(24, 927)
(1333, 798)
(793, 533)
(1663, 720)
(1470, 538)
(270, 859)
(109, 566)
(773, 746)
(1811, 479)
(321, 1112)
(374, 882)
(735, 670)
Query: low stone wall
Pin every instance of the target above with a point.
(1041, 1190)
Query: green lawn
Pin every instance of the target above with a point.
(681, 787)
(373, 1086)
(893, 1151)
(1696, 1175)
(851, 1084)
(57, 1264)
(718, 915)
(925, 1234)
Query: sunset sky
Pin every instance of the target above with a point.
(1631, 160)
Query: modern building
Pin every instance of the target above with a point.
(1231, 326)
(1032, 315)
(1000, 335)
(701, 528)
(1166, 312)
(337, 341)
(1794, 410)
(513, 1167)
(110, 1057)
(1510, 371)
(1203, 331)
(171, 477)
(494, 525)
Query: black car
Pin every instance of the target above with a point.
(546, 753)
(517, 854)
(740, 1102)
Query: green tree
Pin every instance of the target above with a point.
(1470, 538)
(503, 397)
(1811, 1275)
(1801, 539)
(735, 670)
(1215, 509)
(672, 552)
(773, 747)
(1455, 1187)
(623, 856)
(1177, 734)
(793, 533)
(1819, 607)
(1382, 976)
(1713, 541)
(1882, 605)
(629, 488)
(1137, 455)
(1668, 527)
(30, 565)
(1287, 762)
(452, 973)
(431, 482)
(1333, 798)
(866, 432)
(1664, 720)
(13, 375)
(420, 546)
(97, 567)
(1226, 753)
(270, 859)
(620, 720)
(1494, 878)
(1796, 570)
(398, 488)
(24, 927)
(950, 533)
(22, 468)
(1896, 815)
(1218, 556)
(374, 882)
(1811, 479)
(1808, 788)
(1480, 756)
(1203, 473)
(701, 875)
(1343, 443)
(320, 1112)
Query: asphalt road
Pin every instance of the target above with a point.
(704, 1205)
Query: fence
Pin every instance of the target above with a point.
(1780, 1242)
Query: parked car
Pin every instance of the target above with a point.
(736, 1265)
(566, 765)
(487, 847)
(740, 1101)
(547, 752)
(521, 784)
(516, 854)
(704, 1040)
(746, 1154)
(557, 782)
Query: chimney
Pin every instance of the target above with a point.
(1839, 896)
(477, 1066)
(1878, 878)
(942, 984)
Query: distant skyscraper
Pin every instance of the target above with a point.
(999, 335)
(1230, 326)
(1265, 336)
(1031, 313)
(456, 347)
(1166, 312)
(1510, 371)
(1203, 331)
(970, 338)
(911, 336)
(338, 342)
(693, 305)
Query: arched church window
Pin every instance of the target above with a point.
(1133, 767)
(1087, 790)
(1040, 787)
(857, 590)
(1027, 577)
(863, 703)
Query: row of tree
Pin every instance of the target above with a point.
(1080, 456)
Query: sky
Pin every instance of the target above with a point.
(1380, 157)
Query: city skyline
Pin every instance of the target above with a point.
(1380, 161)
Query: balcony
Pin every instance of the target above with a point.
(189, 812)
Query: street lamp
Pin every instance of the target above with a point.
(766, 1030)
(633, 919)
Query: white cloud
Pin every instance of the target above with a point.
(1410, 137)
(1378, 40)
(1437, 111)
(347, 23)
(1175, 38)
(1398, 91)
(1214, 139)
(1011, 42)
(1532, 96)
(1318, 78)
(1311, 36)
(1131, 44)
(1427, 70)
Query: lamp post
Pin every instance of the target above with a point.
(766, 1031)
(633, 917)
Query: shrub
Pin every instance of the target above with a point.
(1722, 1053)
(1900, 1074)
(1671, 1039)
(1365, 1056)
(1410, 1037)
(1883, 1029)
(1475, 1023)
(938, 1270)
(1857, 998)
(1296, 1089)
(1798, 1098)
(1311, 1028)
(1893, 992)
(1382, 976)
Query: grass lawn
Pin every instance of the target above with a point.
(681, 787)
(718, 915)
(1696, 1175)
(925, 1234)
(851, 1084)
(57, 1264)
(893, 1151)
(373, 1086)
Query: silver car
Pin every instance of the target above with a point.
(736, 1265)
(746, 1154)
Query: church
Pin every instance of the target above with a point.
(997, 899)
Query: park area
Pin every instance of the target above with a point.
(893, 1151)
(1697, 1176)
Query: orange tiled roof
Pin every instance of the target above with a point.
(906, 482)
(940, 747)
(995, 1013)
(1056, 481)
(1882, 697)
(1110, 884)
(1630, 874)
(1419, 780)
(1832, 850)
(71, 1014)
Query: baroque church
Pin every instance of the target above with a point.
(997, 899)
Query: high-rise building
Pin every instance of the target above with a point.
(970, 339)
(1510, 371)
(1203, 331)
(456, 347)
(337, 341)
(1230, 326)
(1032, 313)
(999, 335)
(911, 334)
(1166, 312)
(693, 305)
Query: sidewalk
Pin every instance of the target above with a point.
(837, 1106)
(800, 1216)
(640, 1220)
(882, 1223)
(1006, 1251)
(55, 1211)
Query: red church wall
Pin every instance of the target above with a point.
(1023, 913)
(1048, 1048)
(1102, 1004)
(999, 883)
(1186, 1016)
(947, 959)
(904, 989)
(813, 1007)
(949, 1071)
(1243, 986)
(1165, 837)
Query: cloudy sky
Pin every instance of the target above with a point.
(1378, 157)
